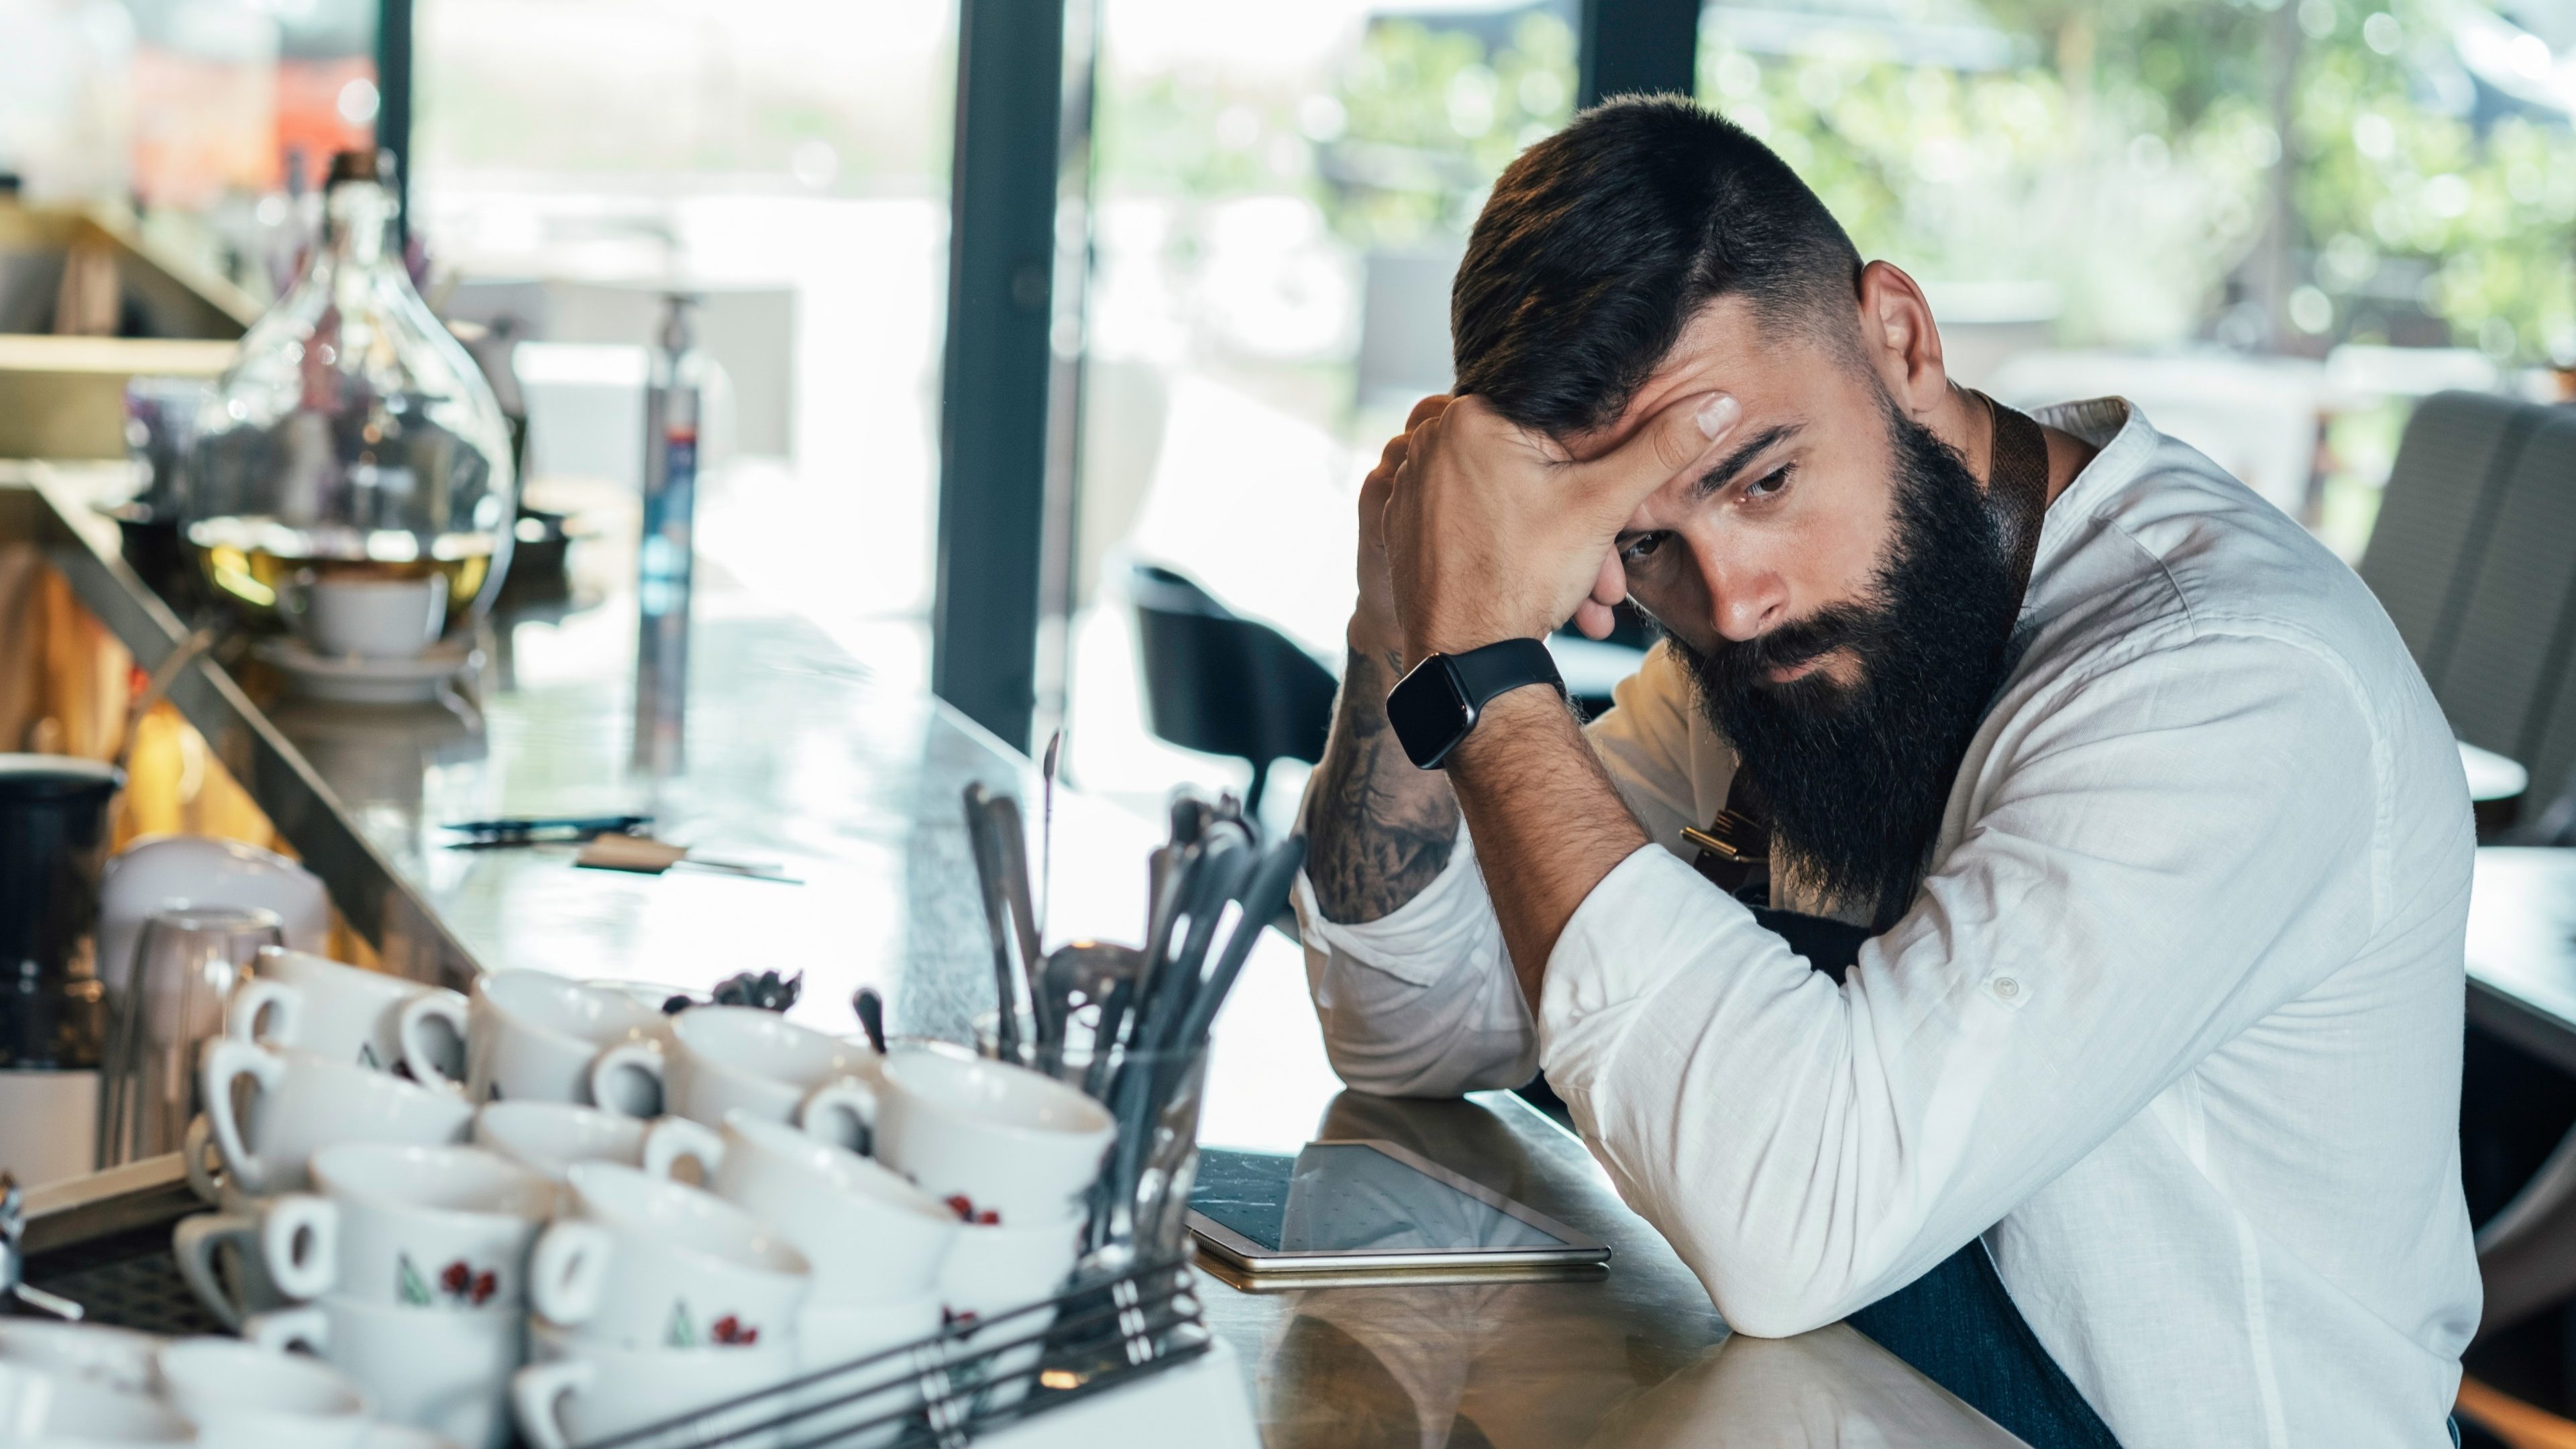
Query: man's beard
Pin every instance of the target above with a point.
(1857, 775)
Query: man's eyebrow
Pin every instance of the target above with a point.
(1724, 470)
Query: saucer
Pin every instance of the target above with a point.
(356, 679)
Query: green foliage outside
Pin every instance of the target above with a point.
(2129, 159)
(2124, 151)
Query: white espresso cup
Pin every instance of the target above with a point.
(743, 1059)
(371, 618)
(995, 1141)
(581, 1392)
(448, 1373)
(297, 999)
(644, 1262)
(855, 1376)
(301, 1103)
(242, 1397)
(533, 1036)
(871, 1236)
(550, 1137)
(42, 1410)
(994, 1271)
(443, 1229)
(232, 1259)
(121, 1359)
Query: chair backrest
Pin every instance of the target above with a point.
(2507, 662)
(2438, 512)
(1224, 684)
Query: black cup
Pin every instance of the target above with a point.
(53, 845)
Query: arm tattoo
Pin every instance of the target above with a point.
(1377, 829)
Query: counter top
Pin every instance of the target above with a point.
(799, 758)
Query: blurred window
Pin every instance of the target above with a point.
(786, 160)
(1281, 194)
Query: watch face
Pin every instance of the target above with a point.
(1429, 712)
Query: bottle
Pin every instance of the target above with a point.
(352, 438)
(673, 397)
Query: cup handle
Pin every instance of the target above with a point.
(424, 1020)
(567, 1272)
(260, 994)
(227, 1061)
(627, 1079)
(673, 1139)
(538, 1390)
(299, 1244)
(192, 1152)
(842, 1112)
(288, 1329)
(194, 1243)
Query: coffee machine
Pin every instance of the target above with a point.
(53, 1013)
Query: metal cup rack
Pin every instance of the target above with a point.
(973, 1377)
(104, 1246)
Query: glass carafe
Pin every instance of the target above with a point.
(353, 438)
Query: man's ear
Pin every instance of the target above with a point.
(1900, 341)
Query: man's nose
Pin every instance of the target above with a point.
(1743, 602)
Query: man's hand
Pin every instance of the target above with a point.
(1492, 532)
(1374, 630)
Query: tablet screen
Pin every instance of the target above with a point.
(1343, 1197)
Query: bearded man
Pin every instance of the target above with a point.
(2146, 849)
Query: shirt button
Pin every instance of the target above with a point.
(2007, 988)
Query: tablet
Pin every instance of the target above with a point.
(1338, 1206)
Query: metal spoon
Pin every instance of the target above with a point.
(1011, 844)
(1046, 827)
(988, 876)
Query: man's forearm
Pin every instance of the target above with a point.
(1548, 822)
(1377, 829)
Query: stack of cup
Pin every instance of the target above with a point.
(81, 1386)
(654, 1299)
(876, 1245)
(415, 1262)
(297, 1104)
(1013, 1152)
(330, 1048)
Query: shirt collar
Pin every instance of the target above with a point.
(2126, 440)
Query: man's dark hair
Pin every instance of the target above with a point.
(1601, 241)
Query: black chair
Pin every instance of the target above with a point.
(1223, 684)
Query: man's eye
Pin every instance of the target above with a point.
(1642, 548)
(1769, 484)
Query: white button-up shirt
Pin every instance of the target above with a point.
(2174, 1024)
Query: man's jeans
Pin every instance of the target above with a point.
(1956, 1325)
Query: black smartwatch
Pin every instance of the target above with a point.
(1434, 706)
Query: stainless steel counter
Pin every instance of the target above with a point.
(798, 758)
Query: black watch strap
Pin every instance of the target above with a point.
(1500, 668)
(1435, 705)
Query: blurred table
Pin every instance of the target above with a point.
(2492, 776)
(798, 757)
(2522, 949)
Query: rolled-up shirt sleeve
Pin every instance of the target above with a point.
(1422, 1002)
(2154, 860)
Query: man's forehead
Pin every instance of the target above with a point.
(1725, 347)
